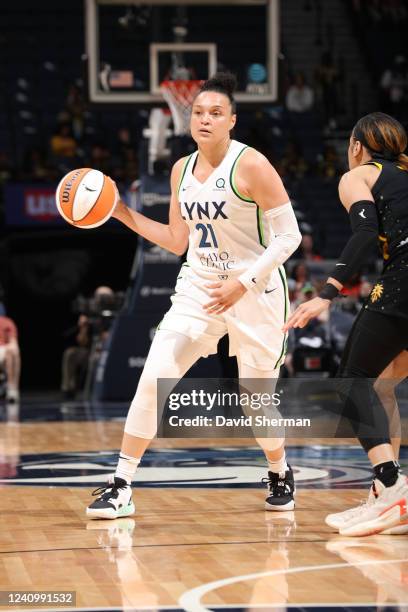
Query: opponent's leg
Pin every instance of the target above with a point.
(384, 386)
(171, 355)
(280, 481)
(385, 389)
(368, 352)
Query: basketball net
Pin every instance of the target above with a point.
(179, 95)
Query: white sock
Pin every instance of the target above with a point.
(126, 467)
(279, 465)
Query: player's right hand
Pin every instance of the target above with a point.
(305, 312)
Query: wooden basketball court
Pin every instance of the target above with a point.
(197, 542)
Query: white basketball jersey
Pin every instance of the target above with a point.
(227, 230)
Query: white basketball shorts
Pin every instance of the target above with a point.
(253, 324)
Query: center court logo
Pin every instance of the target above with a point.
(191, 468)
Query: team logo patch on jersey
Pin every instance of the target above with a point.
(377, 292)
(220, 183)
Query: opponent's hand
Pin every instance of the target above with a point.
(224, 295)
(305, 312)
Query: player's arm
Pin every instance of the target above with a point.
(258, 180)
(357, 199)
(172, 236)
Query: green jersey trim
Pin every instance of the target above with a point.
(183, 173)
(232, 178)
(259, 224)
(282, 275)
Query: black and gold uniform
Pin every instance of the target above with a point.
(390, 292)
(380, 331)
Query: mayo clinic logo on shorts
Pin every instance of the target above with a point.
(219, 261)
(147, 291)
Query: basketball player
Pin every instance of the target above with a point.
(229, 207)
(375, 193)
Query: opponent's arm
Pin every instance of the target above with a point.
(172, 236)
(259, 180)
(357, 199)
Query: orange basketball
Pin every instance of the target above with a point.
(86, 198)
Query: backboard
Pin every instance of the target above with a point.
(133, 46)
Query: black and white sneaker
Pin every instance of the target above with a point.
(281, 488)
(114, 500)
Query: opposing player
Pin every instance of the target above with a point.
(375, 193)
(229, 207)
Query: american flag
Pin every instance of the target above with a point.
(121, 78)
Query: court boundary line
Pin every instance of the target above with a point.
(187, 544)
(190, 600)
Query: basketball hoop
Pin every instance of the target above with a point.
(179, 95)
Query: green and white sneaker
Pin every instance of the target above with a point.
(113, 501)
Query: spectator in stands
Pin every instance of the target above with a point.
(10, 357)
(292, 165)
(327, 76)
(259, 133)
(124, 143)
(35, 167)
(75, 360)
(92, 330)
(307, 250)
(75, 106)
(100, 158)
(300, 274)
(307, 293)
(299, 97)
(292, 290)
(394, 86)
(329, 165)
(62, 143)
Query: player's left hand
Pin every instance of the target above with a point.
(224, 295)
(305, 312)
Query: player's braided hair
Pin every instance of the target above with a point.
(224, 83)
